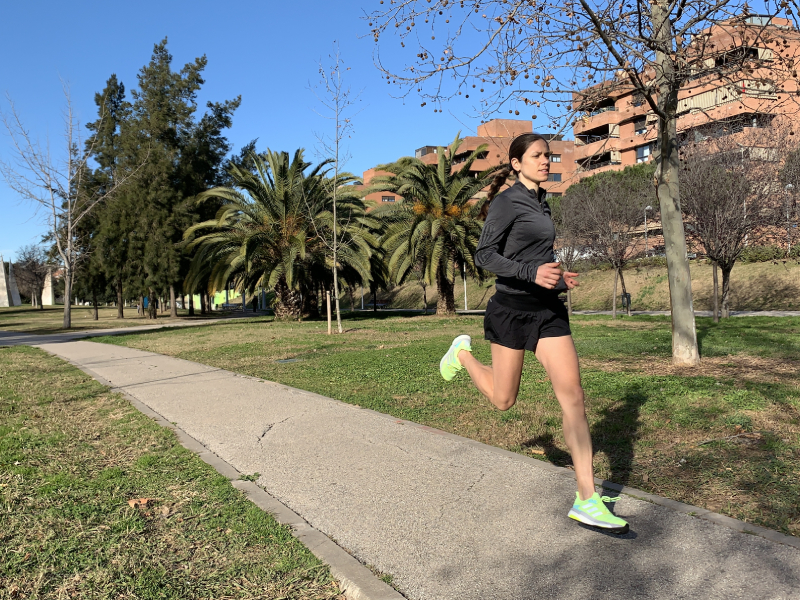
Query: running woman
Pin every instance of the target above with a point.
(525, 314)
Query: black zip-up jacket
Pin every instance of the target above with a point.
(517, 237)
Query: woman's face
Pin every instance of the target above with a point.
(534, 168)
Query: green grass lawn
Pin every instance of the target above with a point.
(74, 458)
(50, 319)
(656, 427)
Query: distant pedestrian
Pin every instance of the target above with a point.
(526, 314)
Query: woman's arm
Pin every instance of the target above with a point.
(495, 230)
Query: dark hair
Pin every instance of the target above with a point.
(518, 147)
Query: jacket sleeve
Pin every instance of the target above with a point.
(489, 254)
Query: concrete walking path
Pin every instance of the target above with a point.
(448, 518)
(26, 338)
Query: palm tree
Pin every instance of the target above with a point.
(270, 228)
(437, 225)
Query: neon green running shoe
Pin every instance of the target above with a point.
(449, 364)
(593, 512)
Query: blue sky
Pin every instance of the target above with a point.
(266, 51)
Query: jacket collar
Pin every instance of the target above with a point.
(540, 196)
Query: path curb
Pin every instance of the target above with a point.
(355, 580)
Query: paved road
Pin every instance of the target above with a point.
(449, 518)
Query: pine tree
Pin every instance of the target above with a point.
(112, 221)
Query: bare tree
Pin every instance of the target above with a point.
(338, 100)
(31, 273)
(570, 245)
(731, 189)
(56, 185)
(570, 58)
(606, 212)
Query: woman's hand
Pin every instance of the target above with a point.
(548, 275)
(571, 279)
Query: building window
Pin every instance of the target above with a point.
(387, 198)
(643, 153)
(640, 126)
(554, 177)
(555, 158)
(637, 99)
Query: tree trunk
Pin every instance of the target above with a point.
(424, 298)
(569, 302)
(684, 332)
(289, 303)
(726, 288)
(624, 291)
(614, 296)
(191, 304)
(336, 295)
(140, 310)
(120, 301)
(202, 302)
(350, 295)
(152, 308)
(446, 304)
(374, 291)
(95, 313)
(67, 323)
(715, 305)
(173, 308)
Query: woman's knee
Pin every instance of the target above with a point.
(504, 402)
(572, 401)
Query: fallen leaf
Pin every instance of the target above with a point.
(645, 478)
(139, 502)
(536, 451)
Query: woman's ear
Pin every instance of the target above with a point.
(515, 166)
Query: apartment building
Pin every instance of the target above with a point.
(619, 129)
(497, 135)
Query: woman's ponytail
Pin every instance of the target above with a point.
(498, 181)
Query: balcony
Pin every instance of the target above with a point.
(600, 117)
(600, 111)
(598, 161)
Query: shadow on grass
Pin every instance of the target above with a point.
(614, 434)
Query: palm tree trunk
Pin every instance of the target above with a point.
(95, 312)
(288, 303)
(446, 304)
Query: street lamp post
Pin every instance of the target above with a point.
(646, 208)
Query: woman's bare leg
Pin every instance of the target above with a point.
(560, 361)
(500, 382)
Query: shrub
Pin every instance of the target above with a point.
(753, 254)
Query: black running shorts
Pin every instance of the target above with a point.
(519, 324)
